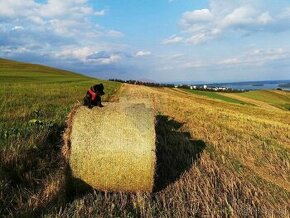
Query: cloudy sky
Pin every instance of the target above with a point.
(160, 40)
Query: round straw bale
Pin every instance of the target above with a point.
(112, 148)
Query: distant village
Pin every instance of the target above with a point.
(202, 87)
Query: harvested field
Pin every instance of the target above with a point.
(213, 158)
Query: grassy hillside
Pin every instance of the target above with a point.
(34, 102)
(37, 93)
(265, 98)
(215, 95)
(214, 158)
(280, 99)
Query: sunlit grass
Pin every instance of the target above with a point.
(215, 95)
(276, 98)
(37, 92)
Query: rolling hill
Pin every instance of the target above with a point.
(277, 98)
(216, 157)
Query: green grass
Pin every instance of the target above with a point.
(34, 103)
(215, 95)
(276, 98)
(33, 92)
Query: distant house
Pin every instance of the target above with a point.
(205, 86)
(175, 86)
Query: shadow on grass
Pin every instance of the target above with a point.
(26, 174)
(31, 172)
(75, 188)
(176, 152)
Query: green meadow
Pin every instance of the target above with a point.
(215, 95)
(276, 98)
(36, 98)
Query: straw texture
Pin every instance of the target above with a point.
(112, 148)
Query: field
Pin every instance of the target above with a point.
(214, 158)
(34, 103)
(215, 95)
(280, 99)
(34, 97)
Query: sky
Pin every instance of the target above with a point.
(155, 40)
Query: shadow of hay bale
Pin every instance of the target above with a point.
(75, 188)
(176, 152)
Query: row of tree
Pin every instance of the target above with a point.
(201, 88)
(137, 82)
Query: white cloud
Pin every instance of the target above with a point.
(100, 13)
(172, 39)
(106, 60)
(142, 53)
(15, 28)
(89, 55)
(54, 28)
(111, 59)
(248, 59)
(256, 57)
(71, 8)
(193, 64)
(9, 50)
(240, 16)
(229, 61)
(176, 56)
(115, 33)
(197, 38)
(265, 18)
(285, 13)
(191, 17)
(80, 53)
(226, 18)
(11, 8)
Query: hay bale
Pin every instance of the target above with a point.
(112, 148)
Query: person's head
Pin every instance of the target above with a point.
(99, 88)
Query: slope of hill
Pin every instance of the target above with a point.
(31, 91)
(34, 102)
(277, 98)
(214, 158)
(271, 99)
(216, 95)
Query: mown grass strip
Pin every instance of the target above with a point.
(215, 95)
(280, 99)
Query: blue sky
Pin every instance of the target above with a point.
(160, 40)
